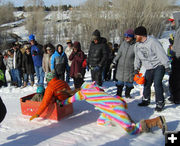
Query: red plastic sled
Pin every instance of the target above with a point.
(53, 111)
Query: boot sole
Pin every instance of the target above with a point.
(164, 125)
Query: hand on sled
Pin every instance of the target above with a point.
(33, 117)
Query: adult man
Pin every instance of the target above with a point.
(17, 64)
(150, 53)
(52, 92)
(37, 56)
(97, 56)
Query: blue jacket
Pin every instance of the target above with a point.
(36, 55)
(59, 62)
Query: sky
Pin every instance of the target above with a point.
(57, 2)
(50, 2)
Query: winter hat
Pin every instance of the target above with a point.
(31, 37)
(50, 76)
(141, 30)
(96, 35)
(68, 41)
(77, 45)
(40, 89)
(129, 33)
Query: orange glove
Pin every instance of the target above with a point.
(34, 116)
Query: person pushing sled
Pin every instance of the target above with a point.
(113, 109)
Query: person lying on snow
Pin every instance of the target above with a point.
(52, 93)
(113, 109)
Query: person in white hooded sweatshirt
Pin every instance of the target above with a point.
(150, 54)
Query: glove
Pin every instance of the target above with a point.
(168, 70)
(96, 68)
(34, 116)
(113, 65)
(136, 72)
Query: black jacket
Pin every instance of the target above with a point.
(27, 64)
(2, 66)
(18, 59)
(97, 54)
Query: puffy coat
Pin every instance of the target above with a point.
(97, 54)
(52, 92)
(27, 64)
(68, 52)
(59, 63)
(9, 63)
(125, 62)
(77, 60)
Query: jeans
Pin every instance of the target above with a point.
(26, 76)
(16, 75)
(40, 75)
(67, 76)
(154, 75)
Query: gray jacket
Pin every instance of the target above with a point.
(150, 54)
(46, 63)
(176, 45)
(125, 62)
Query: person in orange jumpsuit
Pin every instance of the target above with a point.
(53, 91)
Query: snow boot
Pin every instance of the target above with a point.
(160, 121)
(119, 90)
(127, 92)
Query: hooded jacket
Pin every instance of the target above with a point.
(151, 54)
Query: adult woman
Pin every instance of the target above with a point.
(125, 64)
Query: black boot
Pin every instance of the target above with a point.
(119, 90)
(127, 92)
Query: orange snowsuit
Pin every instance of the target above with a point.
(52, 92)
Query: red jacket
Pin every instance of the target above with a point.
(77, 60)
(53, 91)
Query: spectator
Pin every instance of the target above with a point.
(3, 68)
(174, 80)
(68, 52)
(125, 64)
(59, 62)
(97, 56)
(150, 54)
(37, 54)
(17, 64)
(46, 62)
(77, 57)
(28, 65)
(9, 65)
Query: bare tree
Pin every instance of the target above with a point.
(35, 20)
(113, 17)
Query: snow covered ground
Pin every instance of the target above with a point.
(80, 128)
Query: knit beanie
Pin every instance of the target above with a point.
(96, 35)
(129, 33)
(141, 30)
(31, 37)
(50, 76)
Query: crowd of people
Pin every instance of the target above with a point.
(138, 49)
